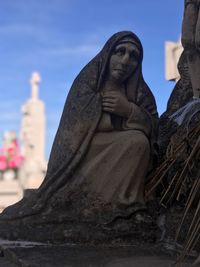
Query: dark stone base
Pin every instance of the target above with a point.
(37, 255)
(170, 222)
(119, 232)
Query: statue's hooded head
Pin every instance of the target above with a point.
(113, 50)
(96, 71)
(94, 74)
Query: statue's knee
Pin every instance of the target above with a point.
(143, 142)
(137, 140)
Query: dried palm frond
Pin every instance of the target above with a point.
(180, 175)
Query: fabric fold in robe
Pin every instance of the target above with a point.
(120, 181)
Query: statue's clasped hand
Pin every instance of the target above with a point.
(116, 103)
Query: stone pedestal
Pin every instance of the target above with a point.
(10, 192)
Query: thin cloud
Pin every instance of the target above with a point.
(75, 50)
(10, 116)
(22, 31)
(25, 29)
(9, 104)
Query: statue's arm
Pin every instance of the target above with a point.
(191, 11)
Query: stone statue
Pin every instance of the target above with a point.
(177, 177)
(191, 42)
(184, 101)
(102, 152)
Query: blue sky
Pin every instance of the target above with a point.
(58, 37)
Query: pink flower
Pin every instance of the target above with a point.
(10, 156)
(15, 162)
(3, 163)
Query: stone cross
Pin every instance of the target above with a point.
(35, 81)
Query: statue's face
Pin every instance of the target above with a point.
(123, 61)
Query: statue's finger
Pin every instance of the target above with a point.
(111, 105)
(107, 109)
(110, 100)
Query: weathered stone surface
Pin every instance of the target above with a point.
(79, 256)
(180, 96)
(117, 232)
(6, 263)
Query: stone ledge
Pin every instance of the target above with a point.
(29, 254)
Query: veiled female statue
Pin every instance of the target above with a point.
(103, 149)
